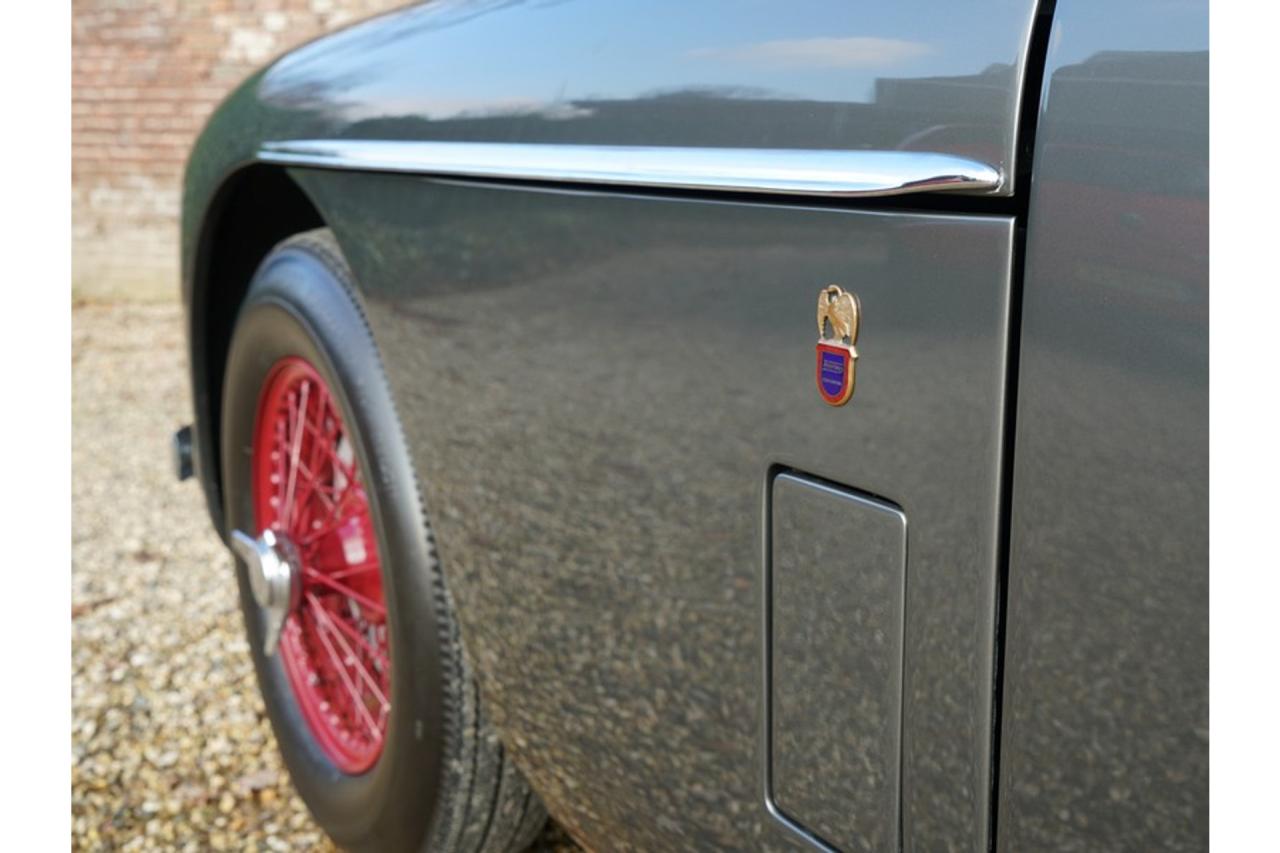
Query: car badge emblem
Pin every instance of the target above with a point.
(837, 356)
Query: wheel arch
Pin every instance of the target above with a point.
(252, 210)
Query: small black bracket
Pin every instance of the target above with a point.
(182, 465)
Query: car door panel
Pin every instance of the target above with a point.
(597, 389)
(1106, 687)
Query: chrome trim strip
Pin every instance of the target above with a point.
(809, 172)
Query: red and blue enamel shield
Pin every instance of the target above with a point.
(840, 312)
(836, 371)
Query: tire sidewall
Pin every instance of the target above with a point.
(299, 305)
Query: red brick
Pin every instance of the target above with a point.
(145, 77)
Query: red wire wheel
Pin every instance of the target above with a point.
(308, 488)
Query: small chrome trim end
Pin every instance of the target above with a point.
(807, 172)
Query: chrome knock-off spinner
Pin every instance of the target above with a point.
(275, 577)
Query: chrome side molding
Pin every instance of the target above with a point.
(807, 172)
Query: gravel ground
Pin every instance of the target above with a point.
(170, 744)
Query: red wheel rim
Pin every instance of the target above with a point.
(307, 487)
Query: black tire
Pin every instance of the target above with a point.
(443, 780)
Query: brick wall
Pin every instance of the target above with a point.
(145, 74)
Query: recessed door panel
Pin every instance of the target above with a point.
(836, 579)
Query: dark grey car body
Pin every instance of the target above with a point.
(709, 611)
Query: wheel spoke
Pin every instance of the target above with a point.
(340, 626)
(347, 469)
(350, 571)
(356, 699)
(313, 481)
(298, 428)
(374, 651)
(343, 589)
(336, 517)
(315, 488)
(320, 446)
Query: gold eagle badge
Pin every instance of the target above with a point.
(837, 365)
